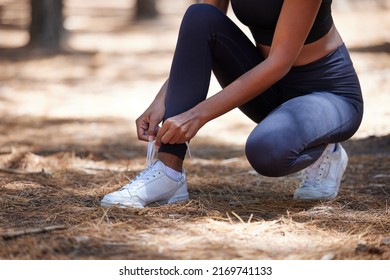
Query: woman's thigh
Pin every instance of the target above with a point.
(295, 134)
(210, 41)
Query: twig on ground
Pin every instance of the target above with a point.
(24, 172)
(250, 218)
(238, 217)
(18, 233)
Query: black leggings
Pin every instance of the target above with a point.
(313, 105)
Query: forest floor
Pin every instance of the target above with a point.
(67, 137)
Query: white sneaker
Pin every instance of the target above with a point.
(321, 180)
(151, 185)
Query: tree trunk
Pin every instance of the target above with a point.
(146, 9)
(46, 27)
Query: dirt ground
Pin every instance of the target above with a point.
(67, 138)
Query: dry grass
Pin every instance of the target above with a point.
(232, 214)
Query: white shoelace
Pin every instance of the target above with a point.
(151, 153)
(150, 159)
(188, 149)
(145, 174)
(313, 174)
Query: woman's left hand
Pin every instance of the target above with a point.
(179, 129)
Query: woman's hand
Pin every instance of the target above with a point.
(147, 123)
(180, 128)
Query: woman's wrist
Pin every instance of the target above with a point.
(200, 114)
(159, 101)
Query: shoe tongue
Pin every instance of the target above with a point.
(330, 148)
(158, 165)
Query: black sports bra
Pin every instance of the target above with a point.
(261, 17)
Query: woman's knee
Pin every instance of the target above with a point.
(201, 9)
(268, 156)
(200, 15)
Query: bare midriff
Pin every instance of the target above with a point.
(313, 51)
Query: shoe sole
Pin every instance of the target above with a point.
(119, 205)
(174, 199)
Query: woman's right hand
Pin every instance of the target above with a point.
(147, 123)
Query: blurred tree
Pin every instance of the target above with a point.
(146, 9)
(46, 27)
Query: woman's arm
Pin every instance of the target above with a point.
(147, 123)
(294, 24)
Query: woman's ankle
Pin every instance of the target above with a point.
(171, 161)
